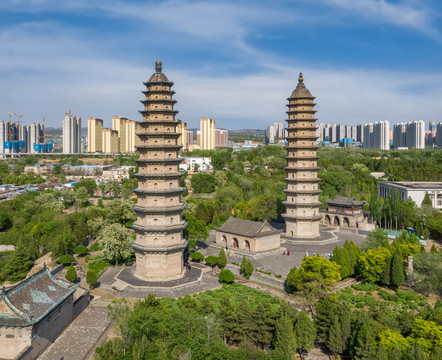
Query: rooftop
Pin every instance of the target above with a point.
(31, 299)
(247, 227)
(158, 76)
(301, 91)
(348, 201)
(418, 185)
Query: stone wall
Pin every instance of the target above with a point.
(256, 244)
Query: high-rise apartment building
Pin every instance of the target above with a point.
(438, 138)
(270, 134)
(302, 215)
(221, 138)
(182, 139)
(381, 135)
(189, 137)
(368, 135)
(95, 135)
(35, 135)
(416, 134)
(207, 128)
(360, 133)
(159, 245)
(400, 135)
(71, 134)
(111, 143)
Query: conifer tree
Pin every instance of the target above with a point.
(335, 340)
(305, 332)
(345, 320)
(342, 258)
(386, 271)
(285, 339)
(326, 310)
(222, 258)
(397, 271)
(364, 345)
(71, 274)
(382, 353)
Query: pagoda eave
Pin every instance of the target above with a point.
(159, 161)
(159, 210)
(159, 122)
(159, 176)
(160, 82)
(156, 192)
(160, 229)
(289, 205)
(301, 218)
(159, 250)
(166, 135)
(311, 192)
(158, 111)
(159, 147)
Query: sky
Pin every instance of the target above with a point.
(236, 62)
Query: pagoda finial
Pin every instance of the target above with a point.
(158, 66)
(301, 78)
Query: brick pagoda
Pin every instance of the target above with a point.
(159, 244)
(302, 206)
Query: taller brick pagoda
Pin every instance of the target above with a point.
(159, 245)
(302, 206)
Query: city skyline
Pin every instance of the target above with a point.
(231, 61)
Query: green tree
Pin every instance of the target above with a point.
(81, 197)
(386, 271)
(246, 267)
(91, 278)
(226, 276)
(71, 274)
(197, 256)
(427, 274)
(203, 183)
(314, 277)
(115, 239)
(427, 201)
(285, 339)
(81, 250)
(18, 264)
(397, 271)
(88, 184)
(196, 230)
(66, 259)
(264, 206)
(372, 263)
(211, 260)
(375, 239)
(364, 344)
(228, 196)
(343, 259)
(218, 161)
(382, 353)
(305, 332)
(120, 211)
(336, 341)
(222, 258)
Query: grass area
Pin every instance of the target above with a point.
(97, 263)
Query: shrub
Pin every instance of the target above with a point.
(71, 274)
(235, 263)
(91, 278)
(66, 259)
(197, 256)
(360, 305)
(278, 276)
(81, 250)
(212, 260)
(226, 276)
(95, 247)
(88, 258)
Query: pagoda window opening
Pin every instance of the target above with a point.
(171, 185)
(170, 156)
(171, 220)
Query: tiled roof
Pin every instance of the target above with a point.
(158, 77)
(31, 299)
(246, 227)
(349, 201)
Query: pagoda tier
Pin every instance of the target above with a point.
(159, 244)
(302, 183)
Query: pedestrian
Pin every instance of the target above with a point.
(199, 280)
(190, 267)
(288, 252)
(283, 253)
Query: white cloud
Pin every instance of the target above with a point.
(404, 13)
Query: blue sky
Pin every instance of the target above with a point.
(233, 61)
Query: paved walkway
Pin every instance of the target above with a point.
(81, 337)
